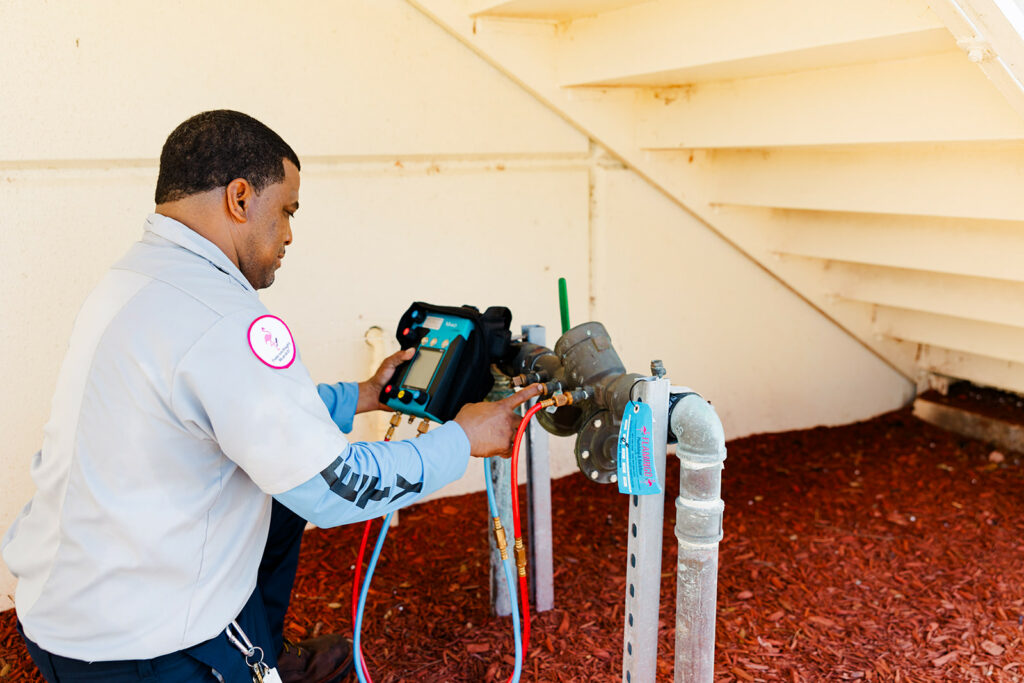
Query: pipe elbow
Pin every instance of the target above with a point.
(699, 433)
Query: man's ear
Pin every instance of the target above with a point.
(238, 195)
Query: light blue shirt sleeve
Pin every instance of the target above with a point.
(340, 399)
(368, 480)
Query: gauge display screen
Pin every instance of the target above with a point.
(422, 369)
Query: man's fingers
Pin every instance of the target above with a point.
(400, 356)
(523, 395)
(387, 368)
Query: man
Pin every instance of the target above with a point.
(187, 444)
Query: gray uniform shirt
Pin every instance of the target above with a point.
(180, 408)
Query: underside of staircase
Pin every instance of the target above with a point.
(869, 155)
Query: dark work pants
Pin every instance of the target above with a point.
(262, 619)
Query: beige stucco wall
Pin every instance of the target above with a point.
(426, 175)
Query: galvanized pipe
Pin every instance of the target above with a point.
(699, 508)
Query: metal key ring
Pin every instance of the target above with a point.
(252, 652)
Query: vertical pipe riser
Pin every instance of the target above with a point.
(696, 594)
(699, 513)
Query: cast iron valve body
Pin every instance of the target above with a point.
(584, 357)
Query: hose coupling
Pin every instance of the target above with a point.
(422, 429)
(396, 418)
(499, 538)
(567, 398)
(528, 378)
(520, 552)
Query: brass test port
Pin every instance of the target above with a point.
(528, 378)
(422, 429)
(396, 418)
(551, 388)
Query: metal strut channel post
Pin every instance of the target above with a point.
(643, 563)
(541, 566)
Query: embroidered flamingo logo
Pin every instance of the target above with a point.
(269, 339)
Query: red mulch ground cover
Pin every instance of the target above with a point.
(883, 551)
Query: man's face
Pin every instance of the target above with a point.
(269, 229)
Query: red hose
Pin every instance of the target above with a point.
(355, 594)
(355, 580)
(523, 424)
(524, 596)
(524, 600)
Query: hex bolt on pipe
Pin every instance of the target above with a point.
(699, 508)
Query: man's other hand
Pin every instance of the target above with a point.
(369, 391)
(491, 427)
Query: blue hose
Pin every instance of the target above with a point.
(510, 581)
(357, 645)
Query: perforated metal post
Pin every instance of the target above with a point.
(643, 559)
(541, 565)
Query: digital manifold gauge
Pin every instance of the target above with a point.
(455, 347)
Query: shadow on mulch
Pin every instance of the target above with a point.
(887, 550)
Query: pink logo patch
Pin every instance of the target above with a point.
(271, 341)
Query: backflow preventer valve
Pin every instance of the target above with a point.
(585, 364)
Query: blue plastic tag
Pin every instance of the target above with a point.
(635, 461)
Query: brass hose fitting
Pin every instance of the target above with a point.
(396, 418)
(499, 538)
(412, 418)
(422, 429)
(567, 398)
(520, 551)
(562, 400)
(527, 378)
(558, 400)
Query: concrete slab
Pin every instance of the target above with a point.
(1002, 433)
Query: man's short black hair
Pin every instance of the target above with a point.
(211, 149)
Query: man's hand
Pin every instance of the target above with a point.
(491, 427)
(369, 391)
